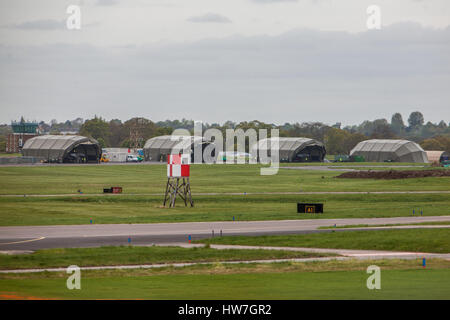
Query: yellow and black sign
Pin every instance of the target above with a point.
(309, 207)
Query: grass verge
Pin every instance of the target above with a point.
(147, 209)
(129, 255)
(400, 279)
(348, 226)
(145, 178)
(414, 240)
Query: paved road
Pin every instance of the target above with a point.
(40, 237)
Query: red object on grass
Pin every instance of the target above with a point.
(178, 165)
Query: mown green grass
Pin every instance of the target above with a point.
(106, 256)
(397, 168)
(137, 179)
(151, 179)
(271, 281)
(348, 226)
(148, 209)
(415, 240)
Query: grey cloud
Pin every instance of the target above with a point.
(302, 75)
(210, 17)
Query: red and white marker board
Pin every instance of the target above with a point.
(178, 165)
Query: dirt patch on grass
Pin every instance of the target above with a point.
(395, 174)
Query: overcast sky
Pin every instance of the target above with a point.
(215, 60)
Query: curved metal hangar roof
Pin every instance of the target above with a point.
(295, 149)
(63, 148)
(390, 150)
(157, 148)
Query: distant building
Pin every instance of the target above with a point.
(293, 149)
(63, 149)
(437, 156)
(387, 150)
(119, 154)
(158, 148)
(22, 131)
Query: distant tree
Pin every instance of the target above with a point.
(445, 141)
(442, 125)
(255, 124)
(2, 143)
(432, 144)
(338, 141)
(415, 119)
(365, 128)
(125, 143)
(352, 140)
(381, 130)
(163, 131)
(314, 130)
(214, 125)
(77, 122)
(397, 124)
(428, 130)
(287, 126)
(5, 129)
(44, 127)
(101, 142)
(117, 133)
(176, 124)
(96, 128)
(337, 125)
(229, 124)
(351, 129)
(335, 140)
(142, 129)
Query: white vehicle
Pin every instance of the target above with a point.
(132, 158)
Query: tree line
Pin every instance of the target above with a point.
(337, 139)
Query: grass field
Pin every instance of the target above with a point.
(322, 280)
(145, 180)
(401, 279)
(431, 223)
(415, 240)
(147, 209)
(107, 256)
(204, 178)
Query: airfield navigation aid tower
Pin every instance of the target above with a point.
(178, 184)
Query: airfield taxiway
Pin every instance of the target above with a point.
(95, 235)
